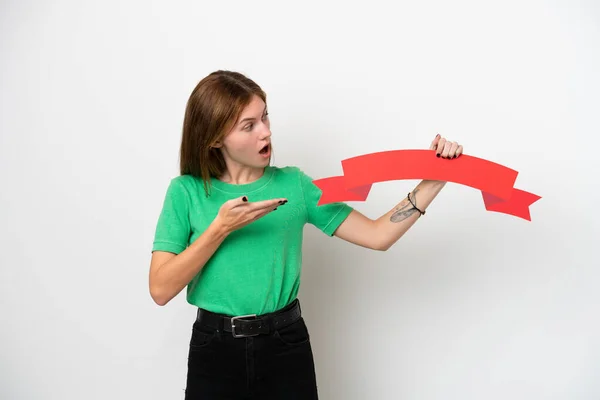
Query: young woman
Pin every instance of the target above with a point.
(230, 230)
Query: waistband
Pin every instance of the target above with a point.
(250, 325)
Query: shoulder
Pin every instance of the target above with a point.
(286, 170)
(292, 174)
(184, 180)
(182, 185)
(290, 171)
(285, 173)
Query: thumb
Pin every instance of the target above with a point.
(238, 201)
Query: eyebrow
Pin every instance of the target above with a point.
(251, 118)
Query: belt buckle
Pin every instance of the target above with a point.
(233, 319)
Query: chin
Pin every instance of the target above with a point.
(258, 165)
(265, 161)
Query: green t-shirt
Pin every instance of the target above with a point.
(257, 268)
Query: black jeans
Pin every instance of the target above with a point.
(274, 366)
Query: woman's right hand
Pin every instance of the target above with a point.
(237, 213)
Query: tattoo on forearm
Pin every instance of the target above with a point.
(405, 209)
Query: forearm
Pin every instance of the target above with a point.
(171, 277)
(391, 226)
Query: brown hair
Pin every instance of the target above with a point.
(211, 112)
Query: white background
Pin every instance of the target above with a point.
(470, 304)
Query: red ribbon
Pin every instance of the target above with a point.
(494, 180)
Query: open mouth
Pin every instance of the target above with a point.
(265, 150)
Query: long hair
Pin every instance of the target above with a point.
(211, 112)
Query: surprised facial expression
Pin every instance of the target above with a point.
(249, 142)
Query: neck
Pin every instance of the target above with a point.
(241, 175)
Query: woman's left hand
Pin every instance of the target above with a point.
(445, 148)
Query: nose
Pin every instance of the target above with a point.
(265, 132)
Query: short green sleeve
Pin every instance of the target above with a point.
(326, 217)
(173, 227)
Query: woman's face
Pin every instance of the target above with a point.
(249, 142)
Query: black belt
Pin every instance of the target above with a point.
(250, 325)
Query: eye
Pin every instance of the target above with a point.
(248, 127)
(265, 116)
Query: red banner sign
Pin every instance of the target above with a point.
(494, 180)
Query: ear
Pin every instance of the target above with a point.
(217, 145)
